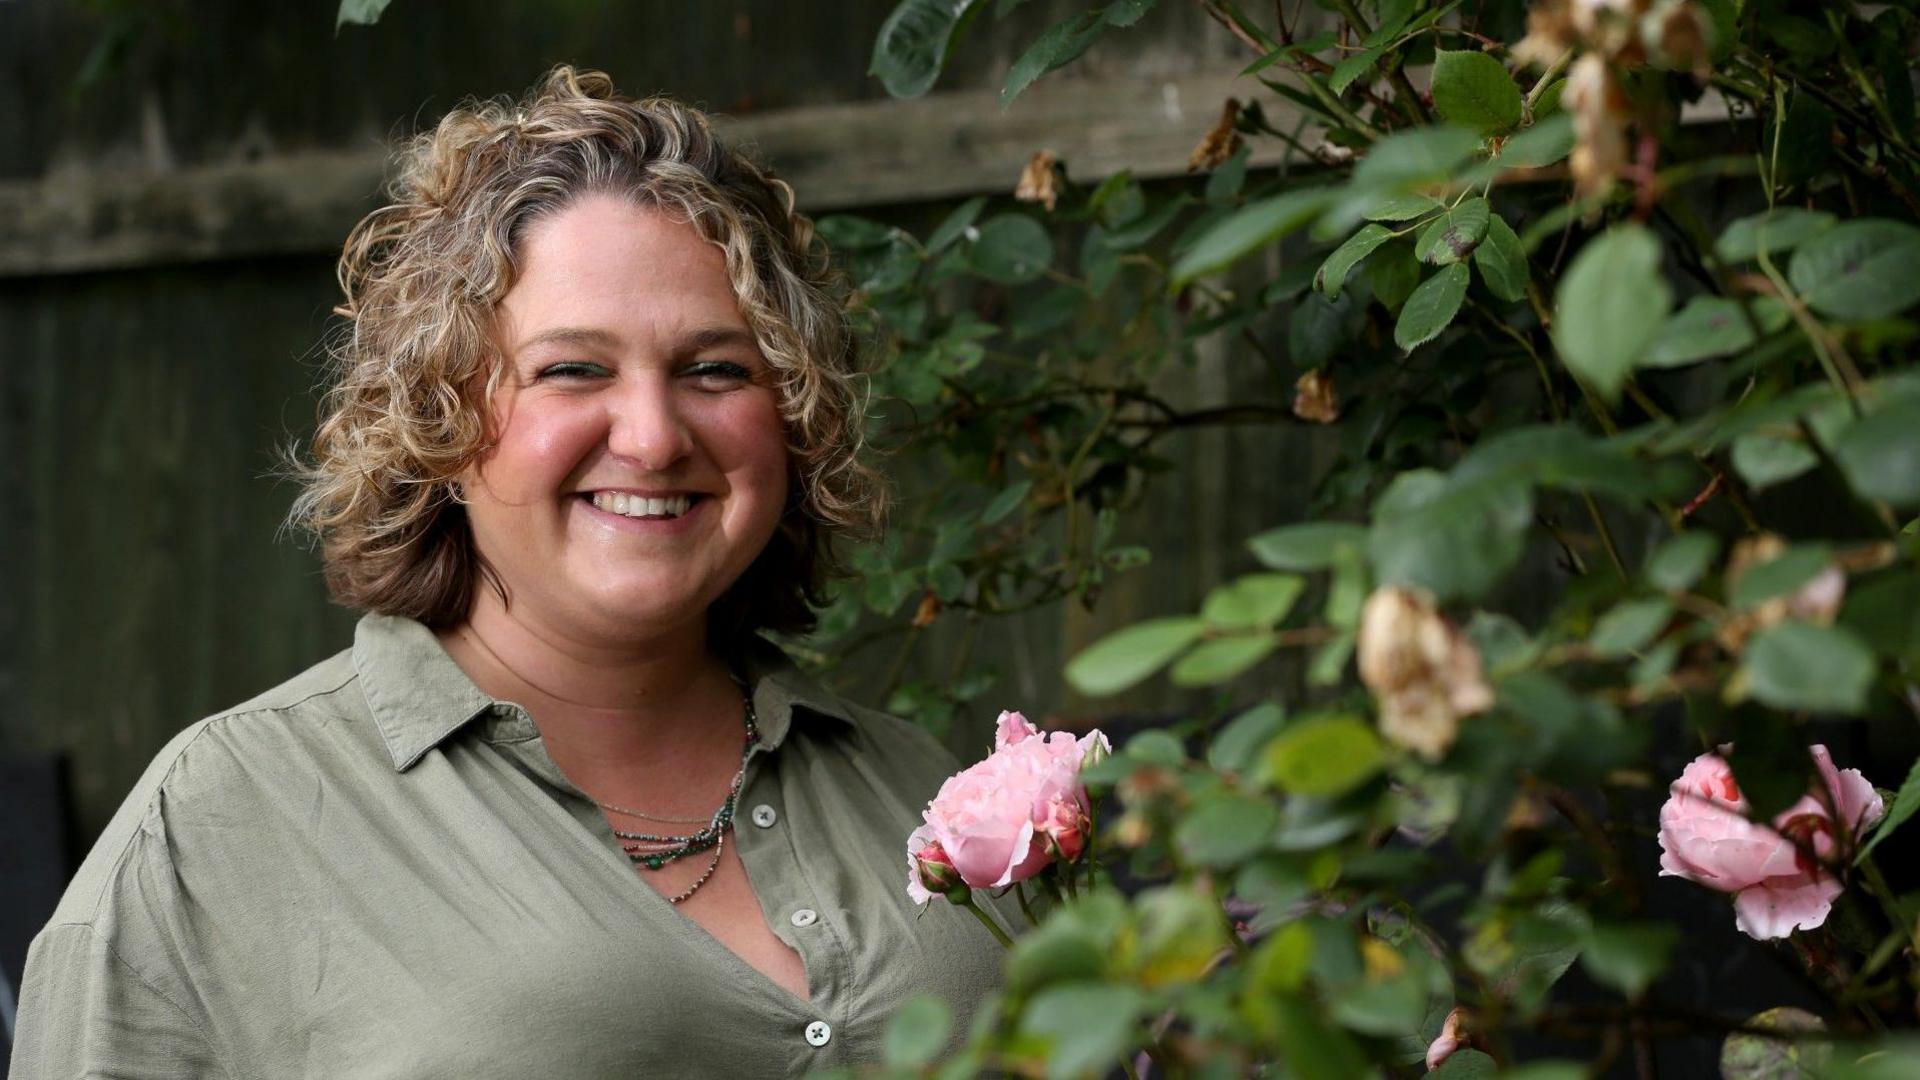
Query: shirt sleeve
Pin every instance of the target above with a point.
(84, 1012)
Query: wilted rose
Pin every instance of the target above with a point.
(1424, 674)
(1781, 877)
(1599, 109)
(1314, 398)
(1220, 143)
(1039, 181)
(1006, 818)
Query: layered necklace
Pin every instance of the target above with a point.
(657, 851)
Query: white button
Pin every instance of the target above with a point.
(764, 816)
(818, 1033)
(805, 917)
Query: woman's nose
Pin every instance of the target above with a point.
(648, 426)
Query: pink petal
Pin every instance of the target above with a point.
(1855, 802)
(1012, 728)
(917, 839)
(1777, 908)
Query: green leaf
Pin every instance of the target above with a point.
(1332, 275)
(1225, 830)
(1247, 230)
(1087, 1025)
(1400, 207)
(1859, 270)
(1307, 546)
(1798, 665)
(1217, 660)
(1351, 68)
(1126, 12)
(1009, 500)
(1392, 274)
(1904, 804)
(1256, 600)
(1609, 306)
(1708, 326)
(1323, 756)
(1431, 307)
(362, 12)
(1502, 262)
(1681, 561)
(1880, 453)
(1314, 1048)
(1411, 157)
(917, 1032)
(1474, 90)
(1629, 956)
(955, 225)
(1127, 656)
(1455, 538)
(1545, 143)
(1058, 951)
(914, 43)
(1779, 575)
(1763, 459)
(1233, 749)
(1630, 626)
(1749, 1055)
(1779, 229)
(1011, 249)
(1061, 44)
(1454, 234)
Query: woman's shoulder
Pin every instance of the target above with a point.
(250, 746)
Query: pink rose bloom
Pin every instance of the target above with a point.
(1004, 819)
(1706, 838)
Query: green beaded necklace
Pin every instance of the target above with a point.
(656, 851)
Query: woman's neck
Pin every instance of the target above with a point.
(609, 712)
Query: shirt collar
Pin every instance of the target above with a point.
(420, 697)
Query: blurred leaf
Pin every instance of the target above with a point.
(1217, 660)
(1012, 249)
(1009, 500)
(955, 224)
(1779, 575)
(1880, 453)
(1327, 756)
(1502, 262)
(1779, 229)
(1629, 956)
(917, 1032)
(1313, 1048)
(1407, 158)
(1060, 950)
(1226, 829)
(1281, 962)
(1307, 546)
(1246, 231)
(1609, 306)
(1473, 89)
(362, 12)
(1763, 459)
(1392, 206)
(1708, 326)
(1859, 270)
(1455, 538)
(1797, 665)
(1180, 931)
(1252, 600)
(1332, 275)
(1087, 1024)
(1454, 234)
(915, 42)
(1630, 626)
(1679, 562)
(1431, 307)
(1547, 142)
(1352, 67)
(1750, 1056)
(1467, 1064)
(1127, 656)
(1233, 749)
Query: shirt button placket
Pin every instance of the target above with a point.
(764, 816)
(819, 1033)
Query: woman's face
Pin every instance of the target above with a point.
(640, 462)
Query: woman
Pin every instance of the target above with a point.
(558, 811)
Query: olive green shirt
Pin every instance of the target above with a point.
(375, 870)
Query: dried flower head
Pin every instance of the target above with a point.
(1314, 398)
(1221, 143)
(1040, 180)
(1424, 674)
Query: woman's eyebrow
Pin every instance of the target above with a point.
(716, 336)
(571, 335)
(705, 338)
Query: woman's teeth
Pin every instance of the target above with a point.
(636, 506)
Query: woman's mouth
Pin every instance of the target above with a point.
(641, 506)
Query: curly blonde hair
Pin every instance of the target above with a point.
(414, 370)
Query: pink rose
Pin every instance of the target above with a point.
(1706, 838)
(1005, 818)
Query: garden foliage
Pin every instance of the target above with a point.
(1560, 279)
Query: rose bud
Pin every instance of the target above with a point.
(1065, 827)
(930, 872)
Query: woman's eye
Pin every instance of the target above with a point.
(570, 369)
(719, 374)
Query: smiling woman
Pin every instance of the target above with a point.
(594, 426)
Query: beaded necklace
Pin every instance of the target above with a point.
(655, 851)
